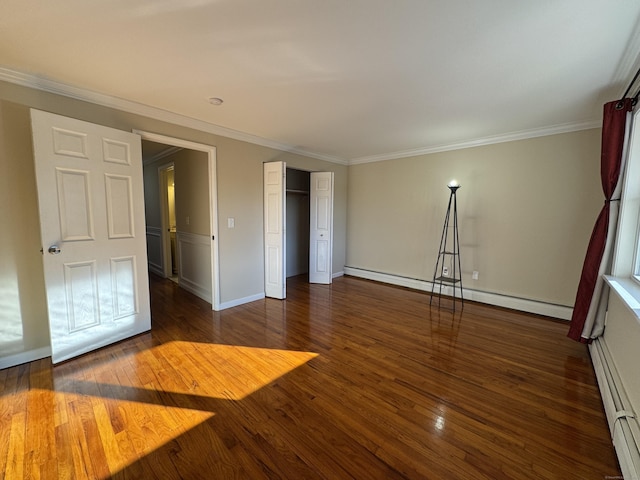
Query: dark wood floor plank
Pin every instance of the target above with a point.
(350, 380)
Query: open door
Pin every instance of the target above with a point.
(91, 203)
(321, 228)
(274, 230)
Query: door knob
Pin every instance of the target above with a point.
(54, 250)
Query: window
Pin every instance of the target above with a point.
(626, 262)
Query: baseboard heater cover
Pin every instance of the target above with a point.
(499, 300)
(623, 423)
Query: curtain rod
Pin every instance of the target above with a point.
(624, 95)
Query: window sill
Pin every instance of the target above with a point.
(628, 290)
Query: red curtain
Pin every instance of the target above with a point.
(613, 140)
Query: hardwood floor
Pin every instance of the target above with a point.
(353, 380)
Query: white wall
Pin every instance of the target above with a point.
(239, 195)
(191, 177)
(23, 309)
(526, 209)
(622, 337)
(616, 353)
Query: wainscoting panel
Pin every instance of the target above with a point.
(194, 260)
(154, 250)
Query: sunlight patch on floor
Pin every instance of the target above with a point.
(139, 401)
(227, 372)
(126, 429)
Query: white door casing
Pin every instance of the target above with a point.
(91, 203)
(321, 228)
(274, 230)
(211, 152)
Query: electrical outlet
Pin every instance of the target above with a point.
(231, 222)
(474, 275)
(445, 271)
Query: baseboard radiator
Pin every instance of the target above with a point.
(624, 425)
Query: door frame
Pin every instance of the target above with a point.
(210, 150)
(283, 215)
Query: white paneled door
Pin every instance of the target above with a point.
(274, 230)
(91, 204)
(321, 228)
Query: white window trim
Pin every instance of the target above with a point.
(625, 274)
(635, 274)
(636, 267)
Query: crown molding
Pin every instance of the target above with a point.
(51, 86)
(479, 142)
(160, 155)
(58, 88)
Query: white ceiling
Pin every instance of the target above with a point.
(350, 80)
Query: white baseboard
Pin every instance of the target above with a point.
(624, 427)
(522, 304)
(194, 288)
(241, 301)
(24, 357)
(253, 298)
(157, 269)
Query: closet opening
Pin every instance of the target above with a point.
(297, 233)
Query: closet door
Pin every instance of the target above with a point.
(274, 181)
(321, 228)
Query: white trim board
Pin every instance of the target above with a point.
(78, 93)
(160, 155)
(623, 426)
(515, 303)
(211, 152)
(25, 357)
(479, 142)
(241, 301)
